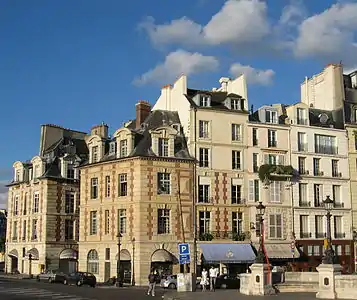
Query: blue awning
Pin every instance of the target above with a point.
(228, 253)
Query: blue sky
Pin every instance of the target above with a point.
(77, 63)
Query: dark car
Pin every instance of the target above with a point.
(80, 278)
(227, 282)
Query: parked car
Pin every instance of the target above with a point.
(227, 282)
(80, 278)
(51, 276)
(170, 282)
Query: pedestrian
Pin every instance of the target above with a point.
(204, 279)
(213, 273)
(152, 283)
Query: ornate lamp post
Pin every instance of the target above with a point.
(133, 264)
(119, 282)
(30, 265)
(329, 257)
(260, 212)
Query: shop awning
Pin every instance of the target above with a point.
(280, 251)
(69, 254)
(228, 253)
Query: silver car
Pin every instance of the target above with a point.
(170, 282)
(51, 276)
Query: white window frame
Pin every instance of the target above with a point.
(36, 203)
(163, 145)
(123, 148)
(107, 186)
(236, 160)
(94, 192)
(34, 229)
(204, 129)
(254, 193)
(319, 225)
(204, 100)
(271, 116)
(205, 217)
(236, 132)
(93, 262)
(206, 191)
(164, 183)
(107, 221)
(68, 225)
(274, 226)
(275, 191)
(204, 157)
(93, 219)
(272, 138)
(304, 224)
(123, 185)
(338, 226)
(163, 221)
(16, 205)
(235, 104)
(336, 194)
(237, 220)
(69, 202)
(122, 221)
(95, 154)
(236, 194)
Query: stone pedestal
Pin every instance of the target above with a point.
(261, 280)
(327, 274)
(186, 282)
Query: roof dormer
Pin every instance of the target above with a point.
(96, 146)
(163, 141)
(18, 171)
(69, 166)
(38, 167)
(202, 99)
(124, 139)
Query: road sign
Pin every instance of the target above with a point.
(184, 249)
(184, 259)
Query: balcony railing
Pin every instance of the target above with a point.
(340, 235)
(320, 235)
(336, 174)
(272, 143)
(318, 203)
(305, 235)
(303, 172)
(304, 203)
(318, 173)
(224, 235)
(339, 205)
(326, 149)
(302, 147)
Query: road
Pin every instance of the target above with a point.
(15, 289)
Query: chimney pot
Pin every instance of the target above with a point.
(143, 109)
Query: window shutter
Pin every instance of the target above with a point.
(281, 160)
(266, 158)
(251, 190)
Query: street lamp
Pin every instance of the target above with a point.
(30, 265)
(329, 257)
(133, 264)
(119, 282)
(260, 259)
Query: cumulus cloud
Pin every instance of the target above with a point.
(293, 13)
(176, 63)
(238, 22)
(330, 34)
(254, 76)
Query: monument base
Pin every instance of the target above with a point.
(186, 282)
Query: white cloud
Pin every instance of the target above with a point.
(293, 13)
(254, 76)
(176, 63)
(238, 22)
(3, 193)
(329, 34)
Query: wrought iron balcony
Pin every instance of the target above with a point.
(340, 235)
(302, 147)
(325, 149)
(339, 205)
(320, 235)
(272, 143)
(304, 203)
(224, 235)
(305, 235)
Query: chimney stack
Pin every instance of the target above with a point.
(101, 130)
(143, 109)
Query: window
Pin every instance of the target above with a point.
(204, 100)
(275, 190)
(255, 136)
(107, 221)
(122, 220)
(204, 222)
(204, 129)
(34, 229)
(235, 104)
(94, 154)
(14, 230)
(163, 216)
(314, 250)
(255, 162)
(204, 157)
(93, 223)
(70, 171)
(36, 172)
(301, 164)
(304, 227)
(302, 142)
(303, 195)
(93, 262)
(25, 204)
(237, 222)
(316, 162)
(336, 196)
(112, 148)
(68, 230)
(204, 193)
(69, 202)
(107, 186)
(16, 205)
(17, 176)
(123, 185)
(271, 116)
(236, 194)
(123, 148)
(236, 132)
(319, 226)
(258, 226)
(164, 183)
(272, 141)
(339, 232)
(318, 195)
(355, 141)
(107, 253)
(273, 159)
(325, 144)
(275, 226)
(334, 167)
(301, 116)
(254, 190)
(36, 203)
(163, 147)
(236, 160)
(24, 230)
(94, 188)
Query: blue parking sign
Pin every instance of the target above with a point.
(184, 259)
(184, 249)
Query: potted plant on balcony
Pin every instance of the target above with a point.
(206, 236)
(268, 173)
(241, 236)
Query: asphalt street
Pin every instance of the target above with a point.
(14, 289)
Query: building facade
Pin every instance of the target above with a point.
(43, 205)
(136, 191)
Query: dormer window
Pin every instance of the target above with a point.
(17, 176)
(163, 147)
(205, 100)
(271, 116)
(94, 154)
(70, 171)
(36, 171)
(301, 117)
(176, 127)
(123, 148)
(235, 104)
(112, 148)
(354, 115)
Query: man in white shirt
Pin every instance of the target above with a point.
(213, 273)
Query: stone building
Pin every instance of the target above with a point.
(138, 184)
(43, 204)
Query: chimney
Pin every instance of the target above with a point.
(224, 83)
(101, 130)
(143, 109)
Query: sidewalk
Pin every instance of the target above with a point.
(233, 295)
(14, 276)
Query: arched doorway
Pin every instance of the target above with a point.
(14, 256)
(125, 265)
(93, 262)
(162, 261)
(68, 260)
(33, 255)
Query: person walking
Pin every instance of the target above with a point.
(152, 283)
(204, 279)
(213, 273)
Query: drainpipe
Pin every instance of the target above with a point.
(194, 207)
